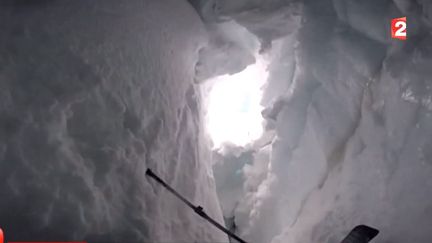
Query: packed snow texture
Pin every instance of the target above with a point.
(351, 111)
(92, 93)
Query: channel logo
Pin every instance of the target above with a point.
(2, 240)
(399, 28)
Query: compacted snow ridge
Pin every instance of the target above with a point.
(348, 119)
(92, 93)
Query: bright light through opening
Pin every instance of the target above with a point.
(234, 110)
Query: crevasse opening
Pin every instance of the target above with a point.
(233, 106)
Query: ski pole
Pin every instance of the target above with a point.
(197, 209)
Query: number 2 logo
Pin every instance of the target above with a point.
(399, 28)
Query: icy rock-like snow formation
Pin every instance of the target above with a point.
(351, 110)
(91, 94)
(228, 51)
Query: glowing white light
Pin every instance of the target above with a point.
(234, 110)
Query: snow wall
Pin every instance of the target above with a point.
(92, 93)
(351, 114)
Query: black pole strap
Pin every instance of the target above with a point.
(197, 209)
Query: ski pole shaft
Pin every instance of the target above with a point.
(197, 209)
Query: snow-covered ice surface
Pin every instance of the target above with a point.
(91, 94)
(351, 110)
(94, 92)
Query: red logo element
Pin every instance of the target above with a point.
(1, 236)
(399, 28)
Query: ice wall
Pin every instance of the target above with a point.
(92, 93)
(351, 109)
